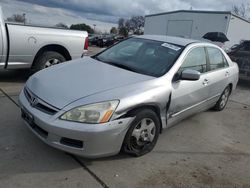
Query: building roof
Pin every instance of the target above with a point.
(169, 39)
(199, 11)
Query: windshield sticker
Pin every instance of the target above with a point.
(171, 46)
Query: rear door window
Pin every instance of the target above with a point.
(216, 59)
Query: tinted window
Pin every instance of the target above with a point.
(216, 59)
(196, 60)
(149, 57)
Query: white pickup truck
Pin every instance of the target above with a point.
(24, 46)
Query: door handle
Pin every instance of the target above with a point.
(205, 82)
(227, 74)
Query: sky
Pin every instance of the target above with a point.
(103, 13)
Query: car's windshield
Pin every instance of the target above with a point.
(143, 56)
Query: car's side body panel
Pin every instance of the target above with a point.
(26, 41)
(190, 97)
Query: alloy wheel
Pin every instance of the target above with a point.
(143, 133)
(51, 62)
(224, 98)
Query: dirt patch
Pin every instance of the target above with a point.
(182, 176)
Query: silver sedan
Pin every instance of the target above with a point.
(123, 97)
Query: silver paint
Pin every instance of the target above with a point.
(86, 81)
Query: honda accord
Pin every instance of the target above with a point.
(123, 97)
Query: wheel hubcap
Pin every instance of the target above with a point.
(51, 62)
(224, 98)
(144, 132)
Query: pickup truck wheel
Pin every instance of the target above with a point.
(142, 134)
(47, 59)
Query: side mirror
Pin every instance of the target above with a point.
(190, 74)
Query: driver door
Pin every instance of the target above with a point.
(189, 97)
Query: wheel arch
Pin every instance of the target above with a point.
(53, 47)
(154, 107)
(231, 87)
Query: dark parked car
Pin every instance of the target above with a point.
(106, 41)
(119, 38)
(241, 55)
(93, 40)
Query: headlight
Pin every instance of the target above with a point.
(93, 113)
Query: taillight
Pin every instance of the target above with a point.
(86, 44)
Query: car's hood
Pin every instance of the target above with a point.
(63, 84)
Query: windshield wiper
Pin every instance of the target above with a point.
(116, 64)
(121, 66)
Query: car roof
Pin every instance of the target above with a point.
(169, 39)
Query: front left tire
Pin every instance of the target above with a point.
(143, 133)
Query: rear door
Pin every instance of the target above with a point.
(189, 96)
(218, 73)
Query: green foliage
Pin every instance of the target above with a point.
(134, 25)
(82, 27)
(61, 25)
(113, 30)
(123, 31)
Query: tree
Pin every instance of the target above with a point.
(134, 25)
(17, 18)
(128, 25)
(121, 23)
(82, 27)
(113, 30)
(241, 10)
(123, 31)
(61, 25)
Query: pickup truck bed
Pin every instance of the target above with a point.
(25, 46)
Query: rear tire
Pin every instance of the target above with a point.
(47, 59)
(222, 102)
(142, 134)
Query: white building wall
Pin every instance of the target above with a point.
(202, 23)
(238, 30)
(155, 25)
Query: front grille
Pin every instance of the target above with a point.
(39, 104)
(45, 109)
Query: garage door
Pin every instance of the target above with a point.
(180, 28)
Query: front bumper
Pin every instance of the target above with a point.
(87, 140)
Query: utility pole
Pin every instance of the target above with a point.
(94, 27)
(24, 19)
